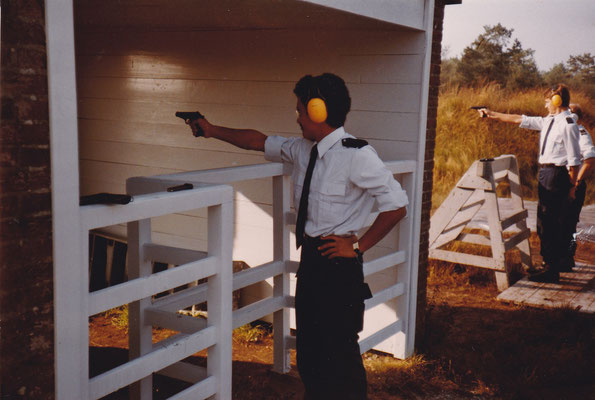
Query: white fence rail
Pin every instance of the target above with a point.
(213, 334)
(215, 265)
(280, 303)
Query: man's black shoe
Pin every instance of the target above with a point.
(567, 264)
(549, 276)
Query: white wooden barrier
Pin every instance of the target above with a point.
(476, 188)
(280, 303)
(164, 357)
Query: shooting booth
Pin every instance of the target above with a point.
(118, 72)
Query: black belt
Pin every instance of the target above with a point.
(551, 166)
(313, 241)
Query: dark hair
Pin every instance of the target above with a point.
(562, 91)
(332, 90)
(576, 109)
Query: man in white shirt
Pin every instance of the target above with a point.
(559, 158)
(337, 179)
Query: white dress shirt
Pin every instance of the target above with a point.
(562, 147)
(345, 183)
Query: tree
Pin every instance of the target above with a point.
(582, 67)
(491, 58)
(557, 74)
(578, 72)
(448, 72)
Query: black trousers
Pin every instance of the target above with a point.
(329, 305)
(552, 214)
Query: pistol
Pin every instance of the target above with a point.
(192, 116)
(105, 198)
(185, 186)
(483, 115)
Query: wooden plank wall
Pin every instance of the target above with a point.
(131, 83)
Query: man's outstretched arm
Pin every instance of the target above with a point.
(248, 139)
(510, 118)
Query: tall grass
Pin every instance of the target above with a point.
(462, 137)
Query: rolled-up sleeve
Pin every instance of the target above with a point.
(370, 174)
(533, 123)
(272, 148)
(281, 149)
(586, 145)
(573, 150)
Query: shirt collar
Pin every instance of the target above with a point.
(329, 140)
(562, 114)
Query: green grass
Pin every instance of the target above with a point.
(254, 332)
(118, 317)
(462, 137)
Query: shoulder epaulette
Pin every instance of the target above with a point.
(354, 143)
(570, 120)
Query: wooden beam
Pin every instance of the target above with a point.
(466, 259)
(516, 239)
(515, 218)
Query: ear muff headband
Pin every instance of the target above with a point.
(317, 110)
(556, 100)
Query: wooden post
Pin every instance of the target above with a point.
(281, 282)
(408, 274)
(516, 194)
(219, 298)
(70, 278)
(496, 238)
(139, 333)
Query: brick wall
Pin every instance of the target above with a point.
(26, 271)
(428, 172)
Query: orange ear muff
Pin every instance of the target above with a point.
(556, 100)
(317, 110)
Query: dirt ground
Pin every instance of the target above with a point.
(473, 347)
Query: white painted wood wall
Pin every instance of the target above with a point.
(133, 76)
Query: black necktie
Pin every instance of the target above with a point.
(546, 135)
(303, 210)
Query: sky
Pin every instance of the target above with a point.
(555, 29)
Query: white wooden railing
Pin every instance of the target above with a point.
(164, 357)
(280, 268)
(215, 333)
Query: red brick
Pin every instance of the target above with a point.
(35, 203)
(35, 157)
(34, 58)
(30, 110)
(9, 205)
(26, 264)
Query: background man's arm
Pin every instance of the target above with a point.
(583, 172)
(585, 169)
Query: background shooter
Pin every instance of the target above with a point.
(337, 180)
(559, 158)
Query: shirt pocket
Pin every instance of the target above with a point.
(331, 203)
(558, 146)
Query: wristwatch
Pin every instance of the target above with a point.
(356, 248)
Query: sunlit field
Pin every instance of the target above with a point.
(462, 137)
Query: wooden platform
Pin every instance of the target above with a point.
(575, 290)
